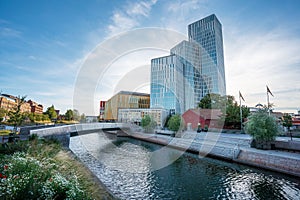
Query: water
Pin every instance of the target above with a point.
(128, 168)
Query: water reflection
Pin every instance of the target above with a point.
(126, 167)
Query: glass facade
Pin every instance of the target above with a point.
(207, 33)
(167, 90)
(194, 68)
(189, 55)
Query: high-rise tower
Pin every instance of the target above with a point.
(207, 33)
(194, 68)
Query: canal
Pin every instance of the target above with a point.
(131, 169)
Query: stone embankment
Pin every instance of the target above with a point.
(232, 147)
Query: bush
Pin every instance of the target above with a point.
(262, 127)
(148, 123)
(25, 177)
(174, 123)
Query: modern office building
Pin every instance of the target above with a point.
(125, 99)
(207, 33)
(167, 89)
(193, 69)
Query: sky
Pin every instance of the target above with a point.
(74, 53)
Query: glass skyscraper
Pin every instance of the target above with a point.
(194, 68)
(207, 33)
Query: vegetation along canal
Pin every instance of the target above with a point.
(132, 170)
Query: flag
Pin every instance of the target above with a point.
(241, 96)
(269, 91)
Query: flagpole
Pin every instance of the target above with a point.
(268, 101)
(241, 113)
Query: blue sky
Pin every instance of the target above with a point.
(45, 44)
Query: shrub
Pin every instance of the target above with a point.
(24, 177)
(262, 127)
(174, 123)
(148, 123)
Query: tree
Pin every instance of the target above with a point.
(15, 116)
(45, 117)
(229, 107)
(51, 113)
(148, 123)
(82, 118)
(263, 129)
(212, 101)
(174, 123)
(76, 115)
(287, 122)
(69, 115)
(2, 114)
(233, 114)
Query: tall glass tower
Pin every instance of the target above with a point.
(193, 69)
(207, 33)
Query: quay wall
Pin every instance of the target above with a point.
(281, 163)
(238, 151)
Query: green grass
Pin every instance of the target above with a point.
(47, 168)
(5, 132)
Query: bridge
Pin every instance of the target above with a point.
(63, 133)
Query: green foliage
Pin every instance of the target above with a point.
(2, 114)
(287, 121)
(69, 115)
(82, 118)
(228, 106)
(36, 173)
(148, 123)
(174, 123)
(76, 115)
(262, 127)
(34, 117)
(213, 101)
(16, 118)
(5, 132)
(51, 113)
(25, 177)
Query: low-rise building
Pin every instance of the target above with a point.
(136, 115)
(102, 110)
(9, 103)
(296, 121)
(203, 117)
(35, 107)
(125, 99)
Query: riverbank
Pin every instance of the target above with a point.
(95, 187)
(230, 147)
(50, 171)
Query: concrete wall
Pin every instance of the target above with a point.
(283, 163)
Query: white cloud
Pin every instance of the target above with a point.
(256, 59)
(9, 32)
(184, 13)
(130, 16)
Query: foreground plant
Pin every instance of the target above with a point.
(263, 128)
(25, 177)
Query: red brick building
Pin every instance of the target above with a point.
(206, 117)
(35, 107)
